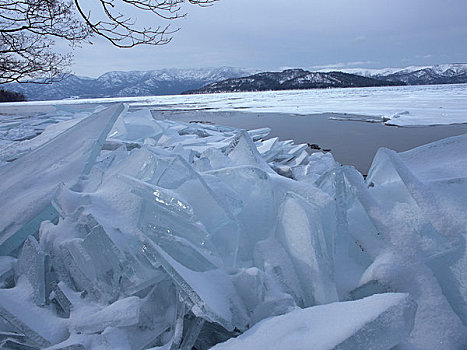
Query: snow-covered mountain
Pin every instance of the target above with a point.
(228, 79)
(455, 73)
(356, 77)
(291, 79)
(125, 84)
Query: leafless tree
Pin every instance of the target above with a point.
(30, 28)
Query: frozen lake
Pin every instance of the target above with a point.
(400, 105)
(331, 118)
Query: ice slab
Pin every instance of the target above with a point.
(211, 293)
(242, 151)
(39, 326)
(430, 179)
(29, 183)
(7, 273)
(15, 150)
(122, 313)
(136, 126)
(378, 322)
(258, 210)
(31, 265)
(196, 201)
(303, 237)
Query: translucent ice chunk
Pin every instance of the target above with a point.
(258, 210)
(242, 151)
(302, 235)
(7, 273)
(378, 322)
(272, 258)
(79, 266)
(29, 183)
(181, 249)
(422, 194)
(261, 295)
(353, 237)
(16, 344)
(31, 265)
(118, 130)
(195, 196)
(369, 288)
(177, 172)
(140, 163)
(435, 205)
(298, 159)
(93, 263)
(139, 125)
(270, 149)
(122, 313)
(61, 301)
(38, 325)
(258, 134)
(163, 198)
(211, 293)
(8, 243)
(211, 159)
(105, 259)
(157, 315)
(265, 147)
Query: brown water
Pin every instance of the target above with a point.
(351, 142)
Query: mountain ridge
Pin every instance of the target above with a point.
(291, 79)
(170, 81)
(303, 79)
(173, 81)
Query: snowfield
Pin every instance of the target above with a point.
(400, 106)
(119, 231)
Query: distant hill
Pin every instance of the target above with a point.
(443, 74)
(291, 79)
(454, 73)
(228, 79)
(126, 84)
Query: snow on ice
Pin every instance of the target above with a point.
(119, 231)
(397, 105)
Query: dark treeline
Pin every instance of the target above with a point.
(11, 96)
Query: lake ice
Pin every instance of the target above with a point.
(399, 105)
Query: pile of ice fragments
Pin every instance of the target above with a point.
(124, 232)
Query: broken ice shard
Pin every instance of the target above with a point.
(242, 151)
(378, 322)
(257, 213)
(28, 184)
(303, 237)
(122, 313)
(211, 292)
(31, 265)
(39, 326)
(136, 126)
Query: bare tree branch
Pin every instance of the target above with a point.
(29, 29)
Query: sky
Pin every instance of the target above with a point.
(310, 34)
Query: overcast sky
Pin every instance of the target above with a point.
(273, 34)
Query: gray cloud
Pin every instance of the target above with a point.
(268, 34)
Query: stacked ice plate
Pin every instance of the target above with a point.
(125, 232)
